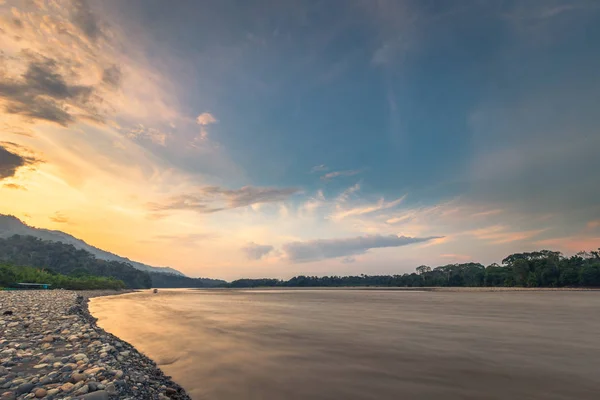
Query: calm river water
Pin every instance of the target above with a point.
(365, 344)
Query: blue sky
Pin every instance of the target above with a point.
(249, 138)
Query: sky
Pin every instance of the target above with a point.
(253, 138)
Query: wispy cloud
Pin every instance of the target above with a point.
(593, 224)
(185, 239)
(319, 168)
(345, 195)
(59, 218)
(141, 132)
(314, 250)
(498, 234)
(487, 213)
(256, 251)
(342, 213)
(573, 243)
(14, 186)
(210, 199)
(335, 174)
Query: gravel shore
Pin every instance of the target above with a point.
(51, 348)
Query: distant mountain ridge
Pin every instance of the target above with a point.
(11, 225)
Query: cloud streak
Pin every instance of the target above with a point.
(314, 250)
(319, 168)
(211, 199)
(366, 209)
(336, 174)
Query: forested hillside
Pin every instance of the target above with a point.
(68, 260)
(536, 269)
(11, 225)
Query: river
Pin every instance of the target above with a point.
(365, 344)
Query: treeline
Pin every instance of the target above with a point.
(536, 269)
(65, 259)
(10, 276)
(160, 280)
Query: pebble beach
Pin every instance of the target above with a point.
(51, 348)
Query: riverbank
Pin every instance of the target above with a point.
(51, 348)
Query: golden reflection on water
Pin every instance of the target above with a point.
(365, 344)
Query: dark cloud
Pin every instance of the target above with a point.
(112, 76)
(43, 93)
(256, 251)
(14, 186)
(11, 160)
(314, 250)
(212, 199)
(85, 20)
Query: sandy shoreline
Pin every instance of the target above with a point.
(52, 348)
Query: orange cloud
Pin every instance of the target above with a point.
(593, 224)
(571, 244)
(498, 234)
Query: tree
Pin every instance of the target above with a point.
(423, 269)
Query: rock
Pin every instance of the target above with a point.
(8, 396)
(39, 393)
(53, 392)
(93, 371)
(118, 374)
(40, 366)
(3, 371)
(80, 356)
(99, 395)
(67, 387)
(170, 391)
(24, 388)
(82, 390)
(78, 377)
(93, 386)
(111, 389)
(48, 339)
